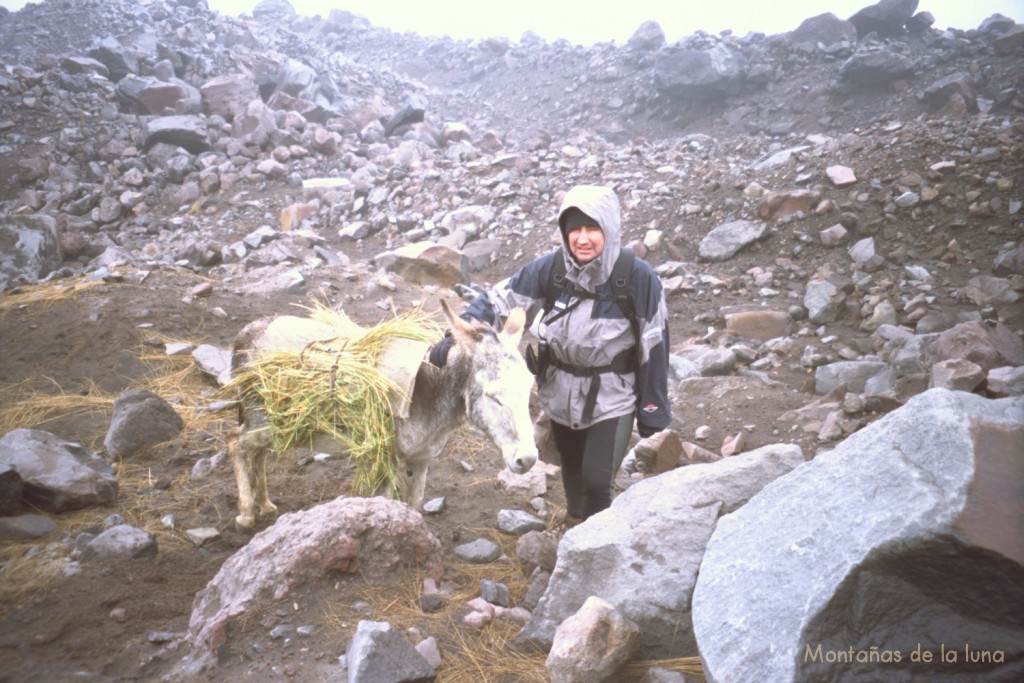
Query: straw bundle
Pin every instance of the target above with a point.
(336, 387)
(48, 293)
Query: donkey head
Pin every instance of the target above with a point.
(498, 391)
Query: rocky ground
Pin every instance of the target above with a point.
(159, 246)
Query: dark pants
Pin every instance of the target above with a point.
(590, 458)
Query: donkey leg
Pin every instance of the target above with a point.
(241, 462)
(415, 467)
(263, 504)
(248, 457)
(415, 481)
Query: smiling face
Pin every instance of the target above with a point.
(585, 243)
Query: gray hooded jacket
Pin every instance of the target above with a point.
(594, 331)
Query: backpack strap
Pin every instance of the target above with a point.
(556, 282)
(621, 273)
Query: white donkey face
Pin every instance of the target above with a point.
(498, 393)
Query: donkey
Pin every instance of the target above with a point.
(485, 380)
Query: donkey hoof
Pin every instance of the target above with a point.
(245, 524)
(268, 511)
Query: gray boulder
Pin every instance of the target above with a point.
(255, 125)
(858, 376)
(121, 542)
(716, 362)
(228, 94)
(1006, 381)
(380, 652)
(11, 490)
(884, 18)
(58, 475)
(214, 361)
(938, 93)
(25, 527)
(642, 554)
(725, 240)
(686, 73)
(413, 111)
(905, 537)
(824, 29)
(823, 301)
(273, 10)
(119, 60)
(649, 36)
(141, 419)
(518, 522)
(187, 132)
(1009, 261)
(29, 249)
(876, 67)
(426, 263)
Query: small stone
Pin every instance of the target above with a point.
(841, 176)
(434, 506)
(432, 602)
(480, 551)
(202, 536)
(495, 593)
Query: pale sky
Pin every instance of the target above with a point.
(590, 21)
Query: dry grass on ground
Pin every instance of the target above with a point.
(48, 293)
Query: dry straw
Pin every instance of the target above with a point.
(37, 402)
(47, 293)
(336, 387)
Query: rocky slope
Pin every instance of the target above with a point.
(208, 170)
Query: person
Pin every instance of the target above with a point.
(594, 377)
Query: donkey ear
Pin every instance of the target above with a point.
(514, 325)
(463, 331)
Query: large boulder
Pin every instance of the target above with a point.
(119, 60)
(228, 95)
(426, 263)
(12, 488)
(901, 545)
(987, 346)
(380, 652)
(642, 554)
(873, 66)
(373, 538)
(885, 17)
(29, 248)
(140, 419)
(255, 125)
(121, 542)
(823, 29)
(57, 475)
(691, 74)
(187, 132)
(726, 239)
(592, 645)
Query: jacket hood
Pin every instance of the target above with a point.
(601, 204)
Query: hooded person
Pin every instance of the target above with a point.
(601, 370)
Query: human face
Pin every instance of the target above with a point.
(586, 243)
